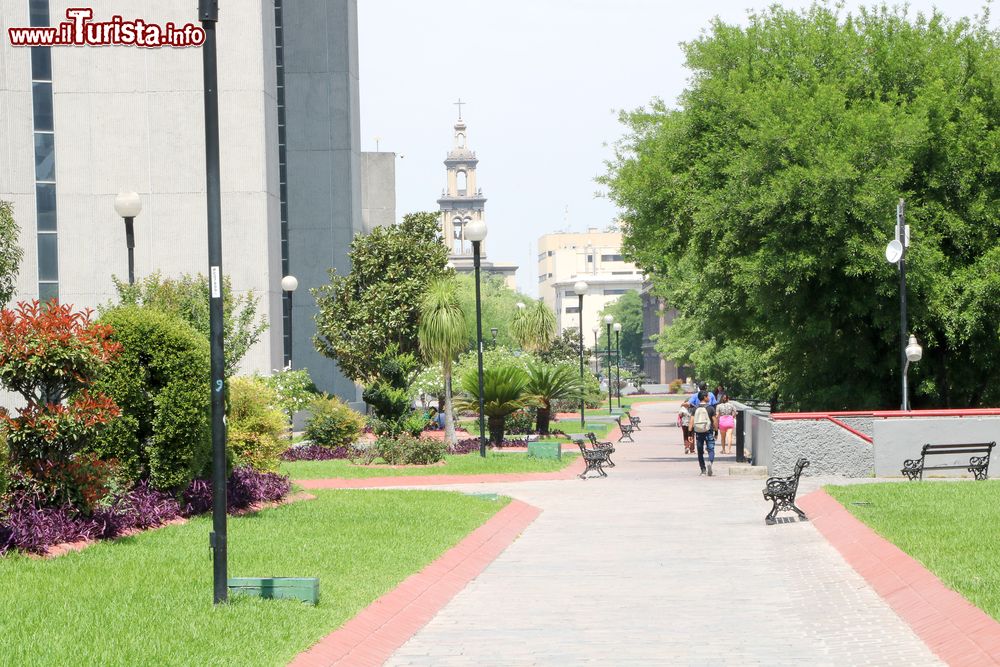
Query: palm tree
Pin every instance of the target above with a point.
(505, 390)
(442, 336)
(552, 382)
(534, 327)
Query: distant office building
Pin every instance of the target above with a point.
(462, 202)
(81, 124)
(378, 190)
(656, 317)
(593, 257)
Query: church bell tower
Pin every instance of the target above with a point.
(462, 201)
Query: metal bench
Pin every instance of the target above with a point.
(781, 492)
(977, 465)
(594, 458)
(605, 446)
(635, 421)
(626, 430)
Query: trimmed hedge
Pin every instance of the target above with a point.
(333, 423)
(161, 382)
(255, 426)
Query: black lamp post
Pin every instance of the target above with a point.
(494, 331)
(580, 288)
(608, 319)
(128, 205)
(208, 14)
(288, 285)
(618, 362)
(475, 231)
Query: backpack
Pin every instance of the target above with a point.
(702, 422)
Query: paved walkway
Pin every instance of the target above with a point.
(657, 565)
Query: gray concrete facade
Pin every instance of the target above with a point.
(378, 190)
(899, 439)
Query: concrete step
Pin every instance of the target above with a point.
(746, 470)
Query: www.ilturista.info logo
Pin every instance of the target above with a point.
(80, 30)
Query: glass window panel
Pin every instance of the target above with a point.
(48, 257)
(45, 157)
(45, 206)
(41, 101)
(38, 11)
(41, 63)
(48, 291)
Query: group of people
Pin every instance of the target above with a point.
(702, 418)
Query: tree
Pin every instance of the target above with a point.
(627, 311)
(442, 334)
(761, 205)
(505, 390)
(10, 252)
(377, 304)
(552, 382)
(566, 347)
(534, 326)
(188, 297)
(499, 308)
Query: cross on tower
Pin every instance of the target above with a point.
(459, 104)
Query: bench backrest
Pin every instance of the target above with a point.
(583, 447)
(593, 438)
(960, 448)
(800, 465)
(622, 426)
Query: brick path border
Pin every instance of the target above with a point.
(372, 636)
(956, 630)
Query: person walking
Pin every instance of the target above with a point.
(697, 397)
(726, 414)
(704, 423)
(684, 421)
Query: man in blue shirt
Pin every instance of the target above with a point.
(703, 388)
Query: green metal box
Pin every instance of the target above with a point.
(305, 589)
(545, 450)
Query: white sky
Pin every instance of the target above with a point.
(543, 80)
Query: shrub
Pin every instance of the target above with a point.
(28, 525)
(295, 389)
(675, 386)
(255, 426)
(161, 382)
(408, 450)
(4, 459)
(314, 453)
(333, 422)
(248, 486)
(141, 508)
(81, 482)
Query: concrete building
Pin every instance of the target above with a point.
(592, 256)
(656, 316)
(81, 124)
(378, 190)
(461, 203)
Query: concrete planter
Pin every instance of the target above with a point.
(545, 450)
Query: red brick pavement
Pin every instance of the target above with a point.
(372, 636)
(957, 631)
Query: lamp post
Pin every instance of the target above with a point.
(580, 287)
(913, 353)
(494, 331)
(608, 320)
(618, 362)
(475, 231)
(895, 253)
(593, 362)
(128, 205)
(288, 285)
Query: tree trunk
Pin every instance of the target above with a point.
(449, 418)
(544, 414)
(495, 426)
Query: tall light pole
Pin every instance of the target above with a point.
(208, 14)
(475, 231)
(608, 320)
(581, 287)
(895, 253)
(913, 353)
(128, 206)
(288, 285)
(618, 362)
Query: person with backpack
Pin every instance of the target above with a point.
(684, 421)
(704, 424)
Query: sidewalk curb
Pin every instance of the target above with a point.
(953, 628)
(372, 636)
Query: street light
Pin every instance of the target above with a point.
(895, 253)
(128, 205)
(494, 331)
(593, 362)
(608, 319)
(475, 231)
(580, 287)
(595, 329)
(288, 285)
(913, 354)
(618, 362)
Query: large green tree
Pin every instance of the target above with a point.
(762, 202)
(499, 307)
(10, 252)
(377, 304)
(442, 338)
(627, 311)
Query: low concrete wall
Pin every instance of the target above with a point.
(898, 439)
(831, 449)
(761, 439)
(860, 424)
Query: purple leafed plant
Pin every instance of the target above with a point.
(197, 497)
(30, 528)
(314, 453)
(467, 445)
(141, 508)
(247, 486)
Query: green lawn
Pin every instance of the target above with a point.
(947, 526)
(147, 599)
(456, 464)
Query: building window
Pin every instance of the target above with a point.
(43, 125)
(611, 258)
(461, 182)
(614, 292)
(279, 70)
(590, 259)
(550, 253)
(622, 273)
(541, 256)
(570, 310)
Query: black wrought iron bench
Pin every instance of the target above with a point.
(605, 446)
(781, 492)
(635, 421)
(978, 464)
(626, 430)
(594, 458)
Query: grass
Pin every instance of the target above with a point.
(456, 464)
(147, 599)
(944, 525)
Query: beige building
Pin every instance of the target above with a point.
(462, 202)
(593, 257)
